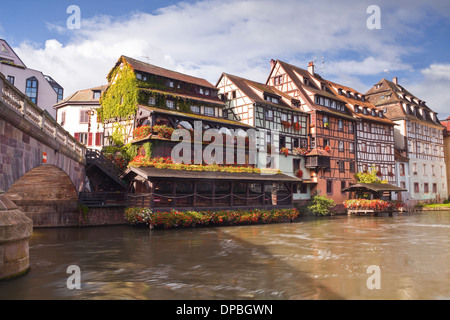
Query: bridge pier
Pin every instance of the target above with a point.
(15, 230)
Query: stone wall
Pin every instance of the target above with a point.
(15, 230)
(102, 216)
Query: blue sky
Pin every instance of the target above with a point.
(206, 38)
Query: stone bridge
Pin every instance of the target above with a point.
(42, 167)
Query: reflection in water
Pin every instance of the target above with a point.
(314, 258)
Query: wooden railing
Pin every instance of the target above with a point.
(20, 103)
(109, 167)
(103, 198)
(153, 200)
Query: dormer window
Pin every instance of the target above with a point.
(271, 99)
(306, 81)
(356, 109)
(348, 94)
(365, 110)
(356, 96)
(380, 114)
(96, 94)
(340, 92)
(363, 98)
(374, 113)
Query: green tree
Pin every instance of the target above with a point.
(321, 205)
(371, 176)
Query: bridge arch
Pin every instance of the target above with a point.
(47, 195)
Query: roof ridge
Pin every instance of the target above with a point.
(165, 69)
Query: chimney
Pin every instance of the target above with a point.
(311, 67)
(272, 63)
(395, 80)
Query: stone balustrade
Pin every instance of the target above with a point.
(20, 103)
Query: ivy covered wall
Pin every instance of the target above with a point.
(120, 99)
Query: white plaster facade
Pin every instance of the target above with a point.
(78, 115)
(45, 91)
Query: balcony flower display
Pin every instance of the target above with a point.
(167, 163)
(286, 124)
(163, 131)
(297, 126)
(327, 148)
(142, 132)
(284, 151)
(299, 151)
(299, 174)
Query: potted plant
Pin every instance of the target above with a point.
(284, 151)
(286, 124)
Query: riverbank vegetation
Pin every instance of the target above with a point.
(175, 218)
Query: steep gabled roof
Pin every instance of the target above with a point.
(250, 89)
(82, 96)
(152, 69)
(387, 93)
(297, 74)
(364, 104)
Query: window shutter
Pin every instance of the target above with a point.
(90, 139)
(77, 136)
(98, 137)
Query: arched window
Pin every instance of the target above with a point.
(31, 89)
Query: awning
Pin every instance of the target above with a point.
(374, 187)
(151, 172)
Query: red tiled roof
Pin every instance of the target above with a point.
(295, 73)
(248, 87)
(352, 101)
(82, 96)
(151, 69)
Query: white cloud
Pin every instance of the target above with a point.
(209, 37)
(433, 87)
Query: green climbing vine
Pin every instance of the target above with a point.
(120, 99)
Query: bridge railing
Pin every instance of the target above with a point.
(20, 103)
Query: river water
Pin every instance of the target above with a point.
(312, 258)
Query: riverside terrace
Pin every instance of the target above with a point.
(165, 189)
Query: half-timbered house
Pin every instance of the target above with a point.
(374, 134)
(183, 138)
(418, 136)
(279, 121)
(332, 127)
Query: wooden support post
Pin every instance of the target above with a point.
(174, 194)
(152, 195)
(231, 194)
(263, 191)
(213, 202)
(247, 194)
(194, 200)
(292, 193)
